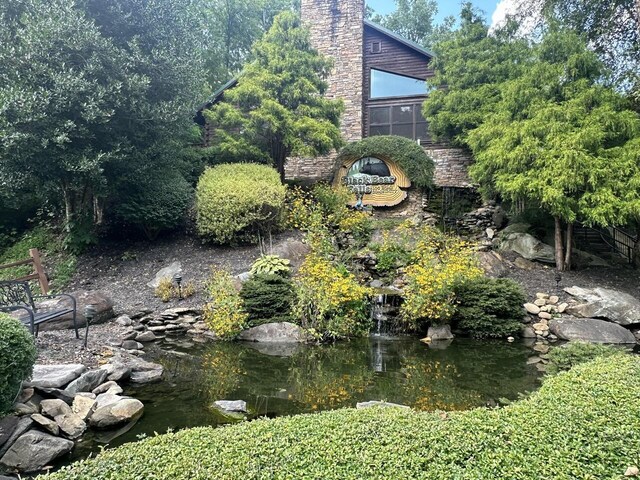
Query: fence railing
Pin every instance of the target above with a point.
(38, 271)
(618, 241)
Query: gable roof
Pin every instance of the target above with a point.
(398, 38)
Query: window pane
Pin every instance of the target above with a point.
(419, 117)
(403, 114)
(380, 115)
(403, 130)
(379, 130)
(421, 131)
(384, 84)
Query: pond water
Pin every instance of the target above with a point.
(279, 380)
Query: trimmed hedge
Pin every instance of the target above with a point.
(267, 298)
(236, 202)
(410, 156)
(17, 357)
(584, 423)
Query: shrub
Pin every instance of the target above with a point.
(330, 301)
(271, 265)
(567, 356)
(17, 357)
(166, 289)
(440, 262)
(224, 313)
(267, 298)
(583, 424)
(410, 156)
(157, 201)
(489, 307)
(238, 202)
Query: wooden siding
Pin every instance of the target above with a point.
(394, 57)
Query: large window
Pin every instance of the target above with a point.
(385, 84)
(402, 120)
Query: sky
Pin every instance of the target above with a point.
(495, 9)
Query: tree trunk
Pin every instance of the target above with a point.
(559, 244)
(68, 207)
(569, 247)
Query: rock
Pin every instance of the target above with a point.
(439, 332)
(54, 408)
(375, 403)
(149, 376)
(46, 423)
(71, 425)
(540, 302)
(116, 371)
(542, 296)
(141, 313)
(87, 381)
(121, 411)
(553, 299)
(54, 376)
(282, 332)
(545, 315)
(102, 302)
(167, 272)
(158, 329)
(243, 277)
(541, 348)
(533, 360)
(130, 335)
(527, 332)
(231, 405)
(105, 387)
(35, 450)
(293, 250)
(632, 472)
(524, 264)
(511, 339)
(532, 308)
(582, 259)
(83, 407)
(124, 320)
(25, 409)
(26, 395)
(146, 337)
(492, 263)
(376, 284)
(24, 424)
(591, 330)
(490, 233)
(8, 425)
(528, 247)
(132, 345)
(540, 327)
(613, 305)
(562, 307)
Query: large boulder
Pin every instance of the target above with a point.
(122, 410)
(282, 332)
(439, 332)
(167, 272)
(87, 381)
(528, 246)
(54, 376)
(590, 330)
(35, 450)
(293, 250)
(613, 305)
(140, 371)
(492, 263)
(10, 436)
(100, 300)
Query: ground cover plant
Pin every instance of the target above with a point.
(17, 357)
(584, 423)
(567, 356)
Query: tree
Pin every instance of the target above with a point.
(87, 89)
(278, 109)
(560, 139)
(469, 66)
(414, 20)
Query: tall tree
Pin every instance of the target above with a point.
(415, 21)
(278, 109)
(560, 139)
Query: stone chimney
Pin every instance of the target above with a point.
(337, 29)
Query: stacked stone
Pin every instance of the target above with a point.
(542, 310)
(483, 222)
(59, 404)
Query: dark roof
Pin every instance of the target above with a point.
(385, 31)
(395, 36)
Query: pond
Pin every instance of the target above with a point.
(279, 380)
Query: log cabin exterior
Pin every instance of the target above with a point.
(380, 77)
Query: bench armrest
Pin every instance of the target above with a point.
(13, 308)
(70, 297)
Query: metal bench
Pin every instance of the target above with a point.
(16, 296)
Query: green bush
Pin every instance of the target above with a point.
(224, 313)
(567, 356)
(267, 298)
(582, 424)
(489, 307)
(237, 202)
(156, 202)
(17, 357)
(410, 156)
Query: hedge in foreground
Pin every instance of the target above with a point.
(584, 424)
(17, 357)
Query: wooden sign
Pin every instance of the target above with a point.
(373, 181)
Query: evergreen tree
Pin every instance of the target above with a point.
(278, 109)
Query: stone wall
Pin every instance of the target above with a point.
(452, 166)
(337, 31)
